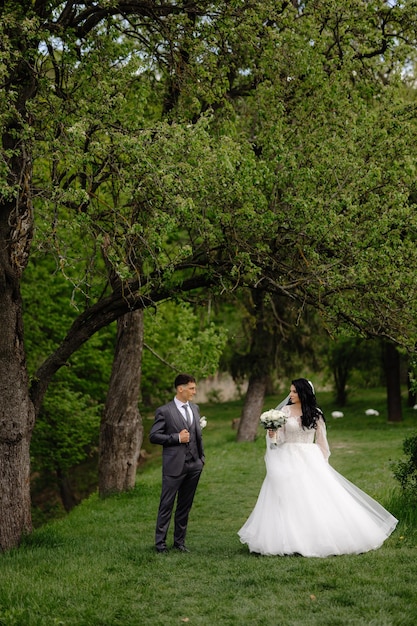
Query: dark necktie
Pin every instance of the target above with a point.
(187, 415)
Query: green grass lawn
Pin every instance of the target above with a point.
(97, 567)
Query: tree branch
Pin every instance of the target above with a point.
(101, 314)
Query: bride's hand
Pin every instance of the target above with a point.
(271, 433)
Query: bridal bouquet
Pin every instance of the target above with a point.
(203, 421)
(272, 420)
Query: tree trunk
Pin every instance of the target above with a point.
(341, 375)
(17, 413)
(121, 430)
(260, 358)
(393, 378)
(16, 410)
(252, 408)
(68, 498)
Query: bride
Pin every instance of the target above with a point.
(305, 507)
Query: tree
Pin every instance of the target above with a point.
(71, 140)
(46, 120)
(393, 378)
(278, 339)
(176, 341)
(339, 71)
(66, 429)
(312, 118)
(283, 163)
(261, 357)
(121, 431)
(347, 356)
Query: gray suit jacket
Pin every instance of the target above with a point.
(168, 423)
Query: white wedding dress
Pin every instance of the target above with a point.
(307, 508)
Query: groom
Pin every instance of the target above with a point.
(177, 429)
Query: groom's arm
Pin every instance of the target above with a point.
(159, 433)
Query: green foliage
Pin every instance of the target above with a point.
(49, 310)
(405, 471)
(67, 428)
(66, 432)
(178, 339)
(353, 361)
(262, 149)
(413, 374)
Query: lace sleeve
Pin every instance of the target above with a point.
(281, 434)
(281, 438)
(321, 438)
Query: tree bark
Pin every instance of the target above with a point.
(17, 413)
(341, 375)
(393, 378)
(68, 497)
(16, 424)
(260, 358)
(121, 430)
(16, 410)
(252, 408)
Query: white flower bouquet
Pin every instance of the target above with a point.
(203, 421)
(272, 420)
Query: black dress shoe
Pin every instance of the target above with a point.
(181, 548)
(162, 550)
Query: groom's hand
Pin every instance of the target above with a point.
(184, 436)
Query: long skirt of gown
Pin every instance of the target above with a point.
(305, 507)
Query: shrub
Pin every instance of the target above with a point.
(405, 471)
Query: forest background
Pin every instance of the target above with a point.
(201, 186)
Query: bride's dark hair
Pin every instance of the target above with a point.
(310, 411)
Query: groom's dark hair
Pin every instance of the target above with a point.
(183, 379)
